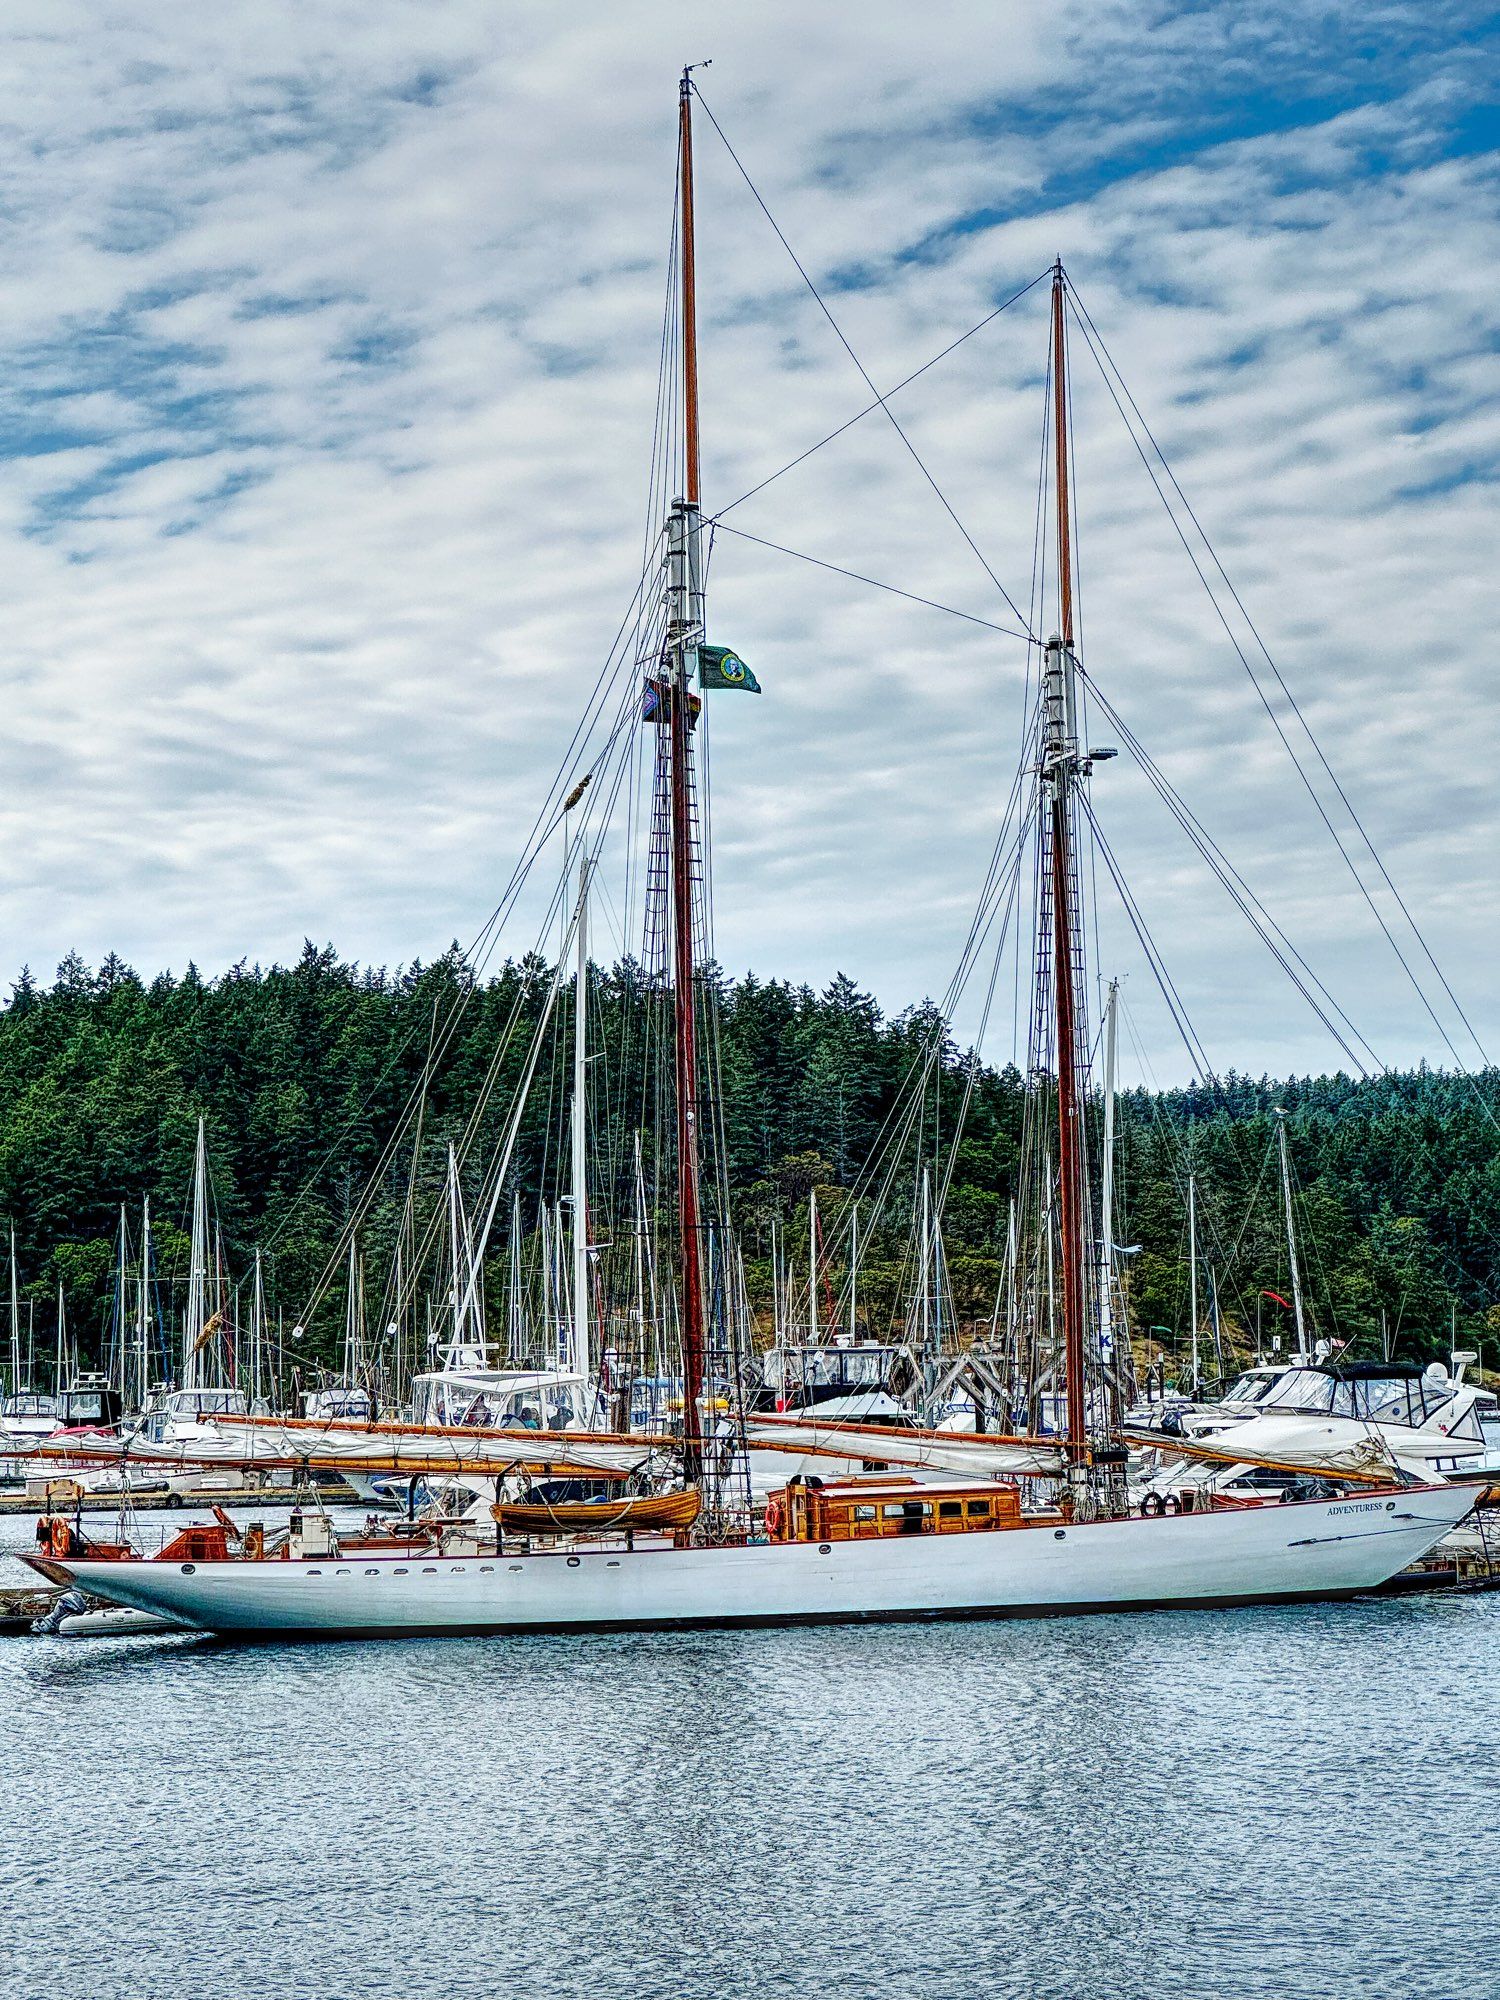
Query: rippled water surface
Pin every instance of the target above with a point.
(1297, 1803)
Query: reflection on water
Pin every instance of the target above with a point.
(1295, 1803)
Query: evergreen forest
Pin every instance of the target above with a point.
(302, 1071)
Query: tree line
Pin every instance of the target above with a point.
(302, 1072)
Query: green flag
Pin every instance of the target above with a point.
(718, 667)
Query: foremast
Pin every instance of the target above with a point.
(1063, 765)
(684, 632)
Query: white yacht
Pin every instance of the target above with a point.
(1323, 1419)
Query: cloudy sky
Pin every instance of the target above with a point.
(328, 344)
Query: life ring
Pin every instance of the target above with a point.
(55, 1536)
(1152, 1505)
(1171, 1505)
(773, 1518)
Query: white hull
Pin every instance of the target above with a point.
(1323, 1548)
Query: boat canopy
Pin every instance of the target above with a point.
(1374, 1392)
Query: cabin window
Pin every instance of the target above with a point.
(864, 1513)
(950, 1510)
(979, 1506)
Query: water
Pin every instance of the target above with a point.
(1293, 1803)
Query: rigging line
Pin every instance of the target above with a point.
(1163, 978)
(880, 401)
(1297, 764)
(1271, 934)
(371, 1193)
(478, 953)
(1265, 651)
(854, 576)
(1180, 1159)
(864, 372)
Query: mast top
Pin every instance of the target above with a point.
(1060, 445)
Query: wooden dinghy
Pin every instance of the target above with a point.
(663, 1511)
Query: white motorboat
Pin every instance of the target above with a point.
(1324, 1421)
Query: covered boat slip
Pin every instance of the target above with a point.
(1302, 1551)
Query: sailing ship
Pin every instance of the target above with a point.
(900, 1523)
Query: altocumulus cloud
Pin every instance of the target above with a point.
(327, 358)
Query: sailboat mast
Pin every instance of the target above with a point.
(925, 1307)
(853, 1270)
(1061, 763)
(1193, 1269)
(1107, 1186)
(198, 1309)
(120, 1343)
(142, 1304)
(350, 1369)
(684, 631)
(1291, 1232)
(580, 1131)
(258, 1334)
(812, 1265)
(15, 1319)
(513, 1315)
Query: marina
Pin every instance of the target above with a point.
(607, 1455)
(649, 1737)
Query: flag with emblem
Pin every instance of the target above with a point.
(718, 667)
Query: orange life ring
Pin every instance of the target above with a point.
(55, 1536)
(773, 1517)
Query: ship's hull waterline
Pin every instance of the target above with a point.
(1308, 1550)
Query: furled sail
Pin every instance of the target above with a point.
(968, 1453)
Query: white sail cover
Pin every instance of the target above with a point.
(965, 1453)
(1338, 1446)
(264, 1442)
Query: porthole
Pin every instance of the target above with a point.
(515, 1565)
(372, 1572)
(315, 1572)
(188, 1569)
(486, 1569)
(1059, 1534)
(429, 1572)
(613, 1563)
(573, 1562)
(825, 1548)
(400, 1572)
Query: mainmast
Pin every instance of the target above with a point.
(1061, 768)
(684, 631)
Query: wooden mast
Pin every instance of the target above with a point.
(685, 614)
(1062, 764)
(689, 287)
(1060, 448)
